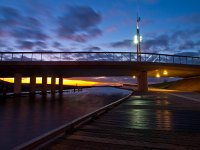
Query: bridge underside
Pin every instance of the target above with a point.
(89, 69)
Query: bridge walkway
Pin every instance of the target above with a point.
(151, 121)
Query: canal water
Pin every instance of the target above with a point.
(24, 118)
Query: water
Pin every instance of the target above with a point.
(24, 118)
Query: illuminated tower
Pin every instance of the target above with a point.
(138, 39)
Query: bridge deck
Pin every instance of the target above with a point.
(151, 121)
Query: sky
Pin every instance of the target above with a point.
(167, 26)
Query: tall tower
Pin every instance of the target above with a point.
(139, 38)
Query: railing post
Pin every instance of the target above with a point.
(186, 60)
(41, 56)
(12, 57)
(159, 58)
(60, 57)
(22, 57)
(1, 56)
(32, 57)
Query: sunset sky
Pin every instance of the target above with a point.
(167, 26)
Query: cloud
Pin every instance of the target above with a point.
(79, 23)
(156, 44)
(26, 45)
(14, 24)
(57, 45)
(194, 54)
(185, 34)
(9, 16)
(175, 41)
(189, 45)
(92, 48)
(27, 33)
(121, 44)
(30, 45)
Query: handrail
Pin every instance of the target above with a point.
(81, 52)
(97, 56)
(64, 129)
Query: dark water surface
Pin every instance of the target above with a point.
(24, 118)
(153, 120)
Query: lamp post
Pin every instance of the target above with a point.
(138, 39)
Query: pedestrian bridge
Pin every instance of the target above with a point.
(79, 64)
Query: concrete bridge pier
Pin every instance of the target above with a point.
(60, 84)
(32, 84)
(44, 84)
(53, 85)
(142, 81)
(17, 84)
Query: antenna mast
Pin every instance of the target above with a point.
(138, 38)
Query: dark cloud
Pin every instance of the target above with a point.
(194, 54)
(9, 16)
(189, 45)
(180, 35)
(57, 45)
(79, 23)
(171, 42)
(122, 44)
(14, 24)
(26, 33)
(92, 48)
(31, 45)
(157, 44)
(26, 45)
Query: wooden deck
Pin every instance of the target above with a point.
(151, 121)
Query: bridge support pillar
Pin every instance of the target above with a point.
(32, 84)
(17, 84)
(44, 84)
(53, 85)
(142, 82)
(60, 84)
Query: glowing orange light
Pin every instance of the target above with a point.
(165, 72)
(71, 82)
(157, 75)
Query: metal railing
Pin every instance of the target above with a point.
(98, 56)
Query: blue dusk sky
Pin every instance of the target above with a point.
(167, 26)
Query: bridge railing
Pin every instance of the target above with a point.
(98, 56)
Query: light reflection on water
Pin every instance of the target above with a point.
(163, 119)
(146, 116)
(24, 118)
(162, 113)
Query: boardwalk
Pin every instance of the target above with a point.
(151, 121)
